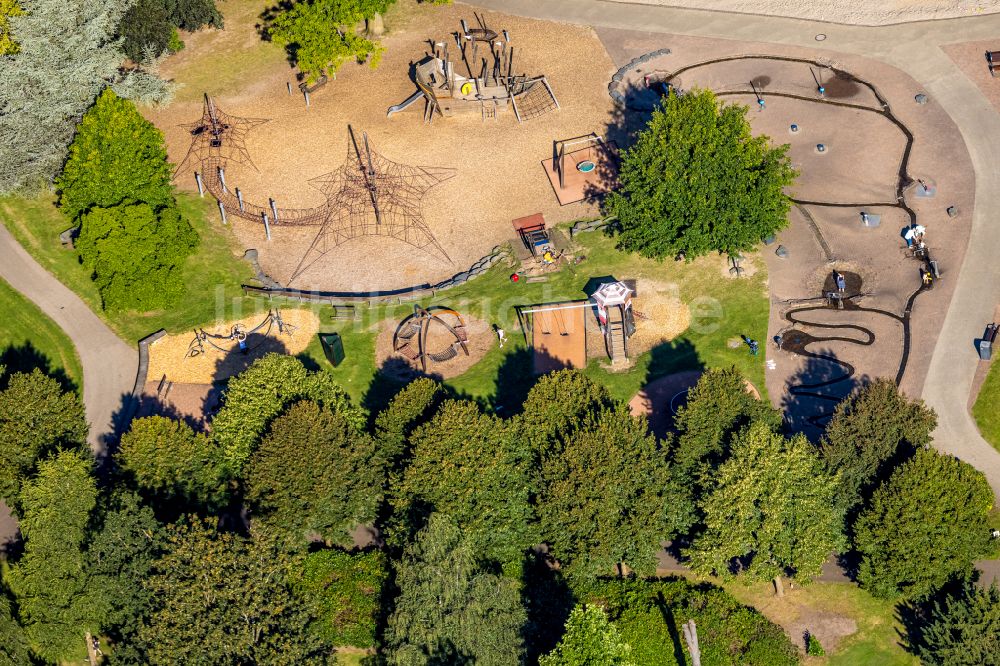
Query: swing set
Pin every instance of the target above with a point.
(238, 334)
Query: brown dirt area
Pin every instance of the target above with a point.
(481, 340)
(498, 173)
(860, 166)
(169, 357)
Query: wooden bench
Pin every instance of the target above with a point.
(993, 61)
(343, 311)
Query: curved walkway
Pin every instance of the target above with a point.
(109, 365)
(914, 49)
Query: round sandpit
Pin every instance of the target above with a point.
(169, 357)
(481, 340)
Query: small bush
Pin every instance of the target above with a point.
(813, 646)
(136, 255)
(175, 44)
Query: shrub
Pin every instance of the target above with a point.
(116, 157)
(648, 613)
(813, 646)
(145, 29)
(136, 255)
(345, 592)
(193, 14)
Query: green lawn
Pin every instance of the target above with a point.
(214, 273)
(729, 308)
(29, 339)
(987, 407)
(876, 641)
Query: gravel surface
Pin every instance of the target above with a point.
(852, 12)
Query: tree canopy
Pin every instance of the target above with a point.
(136, 255)
(315, 475)
(871, 432)
(8, 8)
(963, 629)
(36, 418)
(49, 580)
(256, 396)
(772, 504)
(448, 611)
(221, 599)
(923, 526)
(170, 462)
(14, 648)
(471, 466)
(116, 157)
(590, 640)
(321, 35)
(67, 55)
(698, 181)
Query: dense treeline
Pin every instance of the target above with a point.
(436, 532)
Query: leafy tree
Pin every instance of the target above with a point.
(49, 580)
(8, 8)
(36, 418)
(963, 630)
(448, 611)
(67, 56)
(172, 463)
(773, 505)
(471, 466)
(193, 14)
(718, 407)
(320, 35)
(602, 499)
(870, 433)
(407, 410)
(561, 404)
(120, 555)
(116, 157)
(315, 474)
(14, 649)
(136, 255)
(590, 640)
(697, 181)
(261, 392)
(220, 599)
(923, 526)
(345, 591)
(145, 29)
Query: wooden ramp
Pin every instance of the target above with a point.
(559, 339)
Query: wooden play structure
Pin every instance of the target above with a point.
(489, 84)
(613, 302)
(557, 333)
(412, 338)
(584, 167)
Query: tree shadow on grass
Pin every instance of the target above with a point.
(25, 358)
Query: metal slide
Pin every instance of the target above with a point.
(409, 100)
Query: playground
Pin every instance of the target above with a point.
(875, 159)
(494, 160)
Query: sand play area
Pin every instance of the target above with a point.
(497, 162)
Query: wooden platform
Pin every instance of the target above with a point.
(579, 185)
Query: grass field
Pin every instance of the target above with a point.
(876, 640)
(29, 339)
(214, 273)
(987, 407)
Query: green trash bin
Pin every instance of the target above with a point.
(333, 347)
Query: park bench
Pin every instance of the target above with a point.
(993, 61)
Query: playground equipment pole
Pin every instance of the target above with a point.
(306, 93)
(267, 227)
(222, 211)
(201, 187)
(274, 210)
(289, 84)
(239, 197)
(222, 179)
